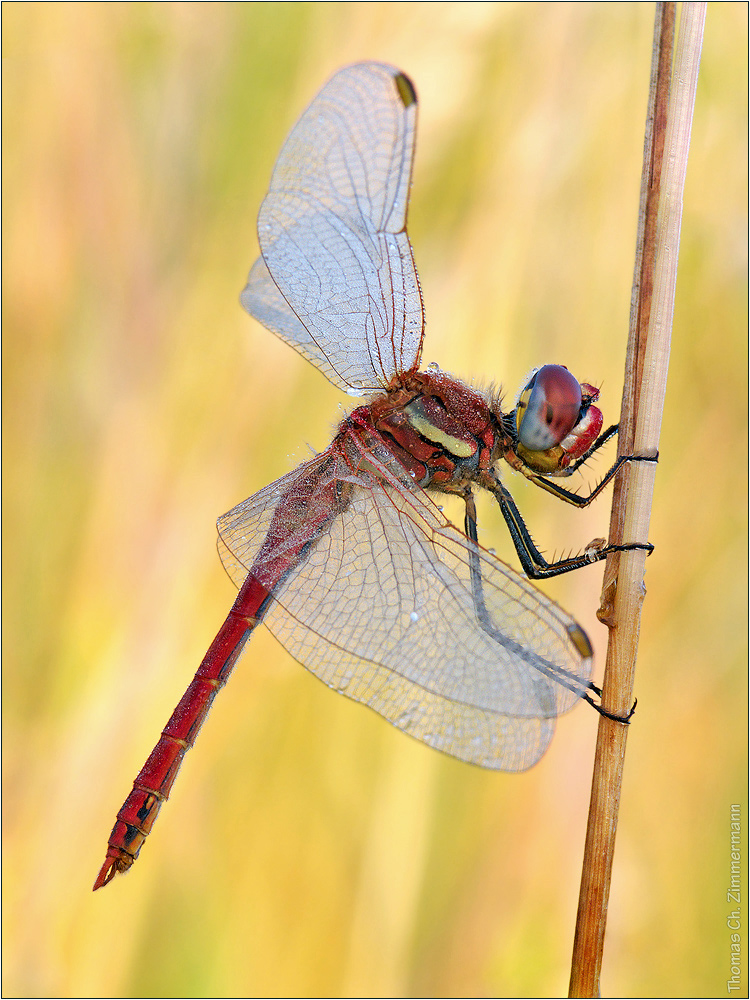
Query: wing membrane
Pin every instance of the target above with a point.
(381, 609)
(332, 232)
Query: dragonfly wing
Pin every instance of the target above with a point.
(244, 529)
(263, 300)
(332, 231)
(382, 609)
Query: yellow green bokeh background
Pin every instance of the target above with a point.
(309, 849)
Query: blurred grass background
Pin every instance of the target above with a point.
(309, 848)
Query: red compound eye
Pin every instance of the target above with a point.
(549, 408)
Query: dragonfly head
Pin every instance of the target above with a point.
(555, 420)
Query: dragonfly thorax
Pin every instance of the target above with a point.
(441, 430)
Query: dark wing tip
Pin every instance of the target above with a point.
(580, 640)
(405, 89)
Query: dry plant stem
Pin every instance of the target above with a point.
(665, 159)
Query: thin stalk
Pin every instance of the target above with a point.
(671, 102)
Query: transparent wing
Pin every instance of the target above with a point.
(264, 301)
(339, 282)
(382, 609)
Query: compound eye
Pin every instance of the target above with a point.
(548, 409)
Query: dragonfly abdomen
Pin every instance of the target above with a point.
(154, 782)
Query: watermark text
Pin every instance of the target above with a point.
(735, 901)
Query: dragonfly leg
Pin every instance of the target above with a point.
(470, 527)
(560, 675)
(602, 439)
(533, 562)
(624, 719)
(576, 499)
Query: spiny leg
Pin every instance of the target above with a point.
(534, 564)
(562, 677)
(575, 498)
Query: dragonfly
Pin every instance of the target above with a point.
(349, 560)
